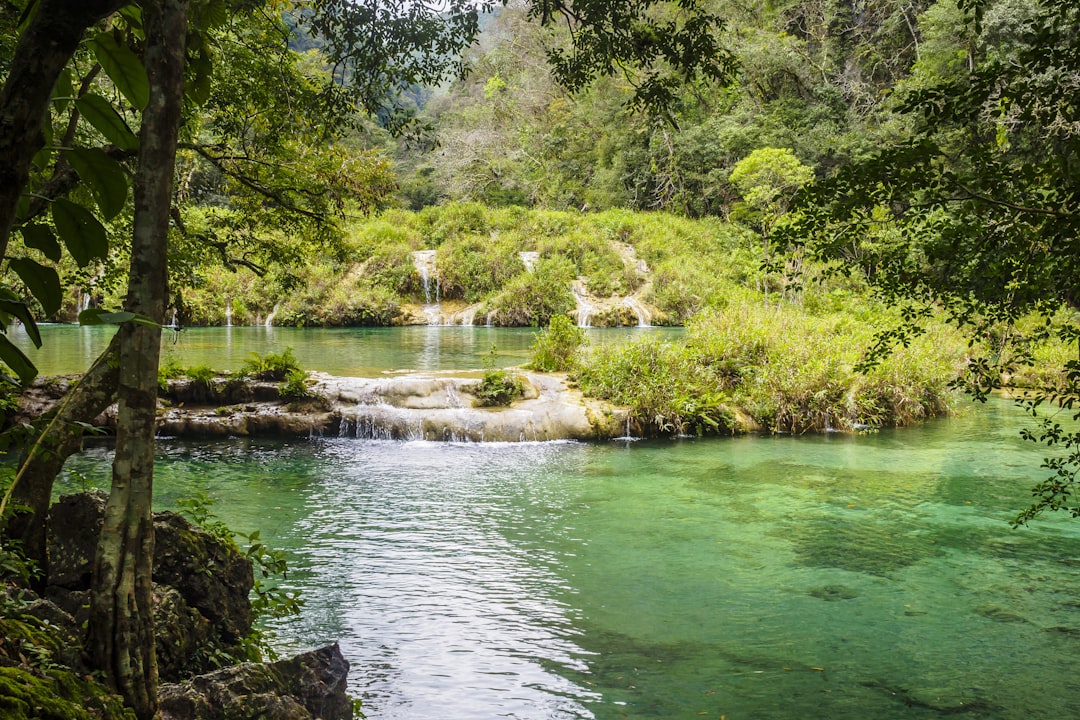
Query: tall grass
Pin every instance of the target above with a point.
(776, 367)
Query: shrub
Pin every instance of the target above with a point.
(272, 366)
(555, 349)
(201, 375)
(498, 387)
(471, 267)
(533, 298)
(295, 386)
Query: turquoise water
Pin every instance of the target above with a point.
(843, 577)
(349, 352)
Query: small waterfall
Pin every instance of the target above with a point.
(228, 313)
(84, 300)
(172, 322)
(585, 309)
(529, 259)
(424, 262)
(627, 437)
(270, 318)
(468, 315)
(638, 309)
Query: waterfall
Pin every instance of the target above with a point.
(627, 437)
(270, 318)
(585, 309)
(638, 309)
(84, 300)
(173, 323)
(228, 313)
(529, 259)
(424, 262)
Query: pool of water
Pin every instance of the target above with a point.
(348, 352)
(863, 577)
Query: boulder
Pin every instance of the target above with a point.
(74, 526)
(305, 687)
(210, 574)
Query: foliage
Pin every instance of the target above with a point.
(471, 267)
(200, 375)
(295, 387)
(983, 204)
(533, 298)
(498, 387)
(555, 348)
(784, 369)
(270, 600)
(271, 366)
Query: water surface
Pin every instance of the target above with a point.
(862, 577)
(347, 352)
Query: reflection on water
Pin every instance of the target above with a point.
(814, 577)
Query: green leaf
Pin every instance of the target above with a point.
(17, 361)
(81, 232)
(97, 316)
(21, 310)
(123, 67)
(104, 176)
(40, 237)
(100, 113)
(43, 283)
(63, 91)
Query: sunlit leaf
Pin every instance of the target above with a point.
(98, 316)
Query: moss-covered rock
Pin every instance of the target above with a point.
(56, 695)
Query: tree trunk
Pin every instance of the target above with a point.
(56, 441)
(44, 48)
(121, 638)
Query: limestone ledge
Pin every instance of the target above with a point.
(401, 407)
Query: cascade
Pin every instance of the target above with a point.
(172, 322)
(270, 318)
(585, 309)
(424, 262)
(228, 313)
(638, 309)
(626, 436)
(84, 301)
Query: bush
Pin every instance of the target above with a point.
(498, 387)
(534, 298)
(471, 267)
(556, 348)
(272, 366)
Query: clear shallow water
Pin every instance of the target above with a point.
(870, 577)
(347, 352)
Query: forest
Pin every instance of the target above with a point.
(859, 214)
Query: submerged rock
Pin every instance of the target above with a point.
(305, 687)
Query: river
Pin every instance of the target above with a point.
(830, 576)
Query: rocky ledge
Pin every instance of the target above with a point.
(202, 615)
(403, 407)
